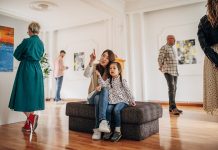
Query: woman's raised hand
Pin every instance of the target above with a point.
(92, 57)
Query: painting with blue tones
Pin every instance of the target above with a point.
(6, 49)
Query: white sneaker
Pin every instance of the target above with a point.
(96, 135)
(104, 127)
(59, 102)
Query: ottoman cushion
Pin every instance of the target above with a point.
(141, 113)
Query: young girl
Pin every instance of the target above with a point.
(120, 97)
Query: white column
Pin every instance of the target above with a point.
(131, 54)
(50, 53)
(144, 89)
(115, 34)
(126, 48)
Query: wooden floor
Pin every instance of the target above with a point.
(194, 130)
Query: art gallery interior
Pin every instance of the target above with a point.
(135, 30)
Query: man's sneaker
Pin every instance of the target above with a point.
(104, 127)
(107, 136)
(175, 111)
(59, 102)
(26, 127)
(116, 136)
(96, 135)
(33, 120)
(180, 111)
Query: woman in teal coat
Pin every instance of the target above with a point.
(28, 91)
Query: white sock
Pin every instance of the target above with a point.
(103, 121)
(117, 129)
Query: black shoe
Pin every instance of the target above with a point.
(180, 111)
(107, 136)
(116, 136)
(175, 111)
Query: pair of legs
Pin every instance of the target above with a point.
(172, 82)
(116, 110)
(28, 113)
(59, 81)
(31, 121)
(100, 100)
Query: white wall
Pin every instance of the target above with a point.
(146, 33)
(102, 35)
(74, 40)
(183, 23)
(7, 78)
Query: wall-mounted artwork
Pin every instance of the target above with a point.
(79, 60)
(6, 49)
(186, 52)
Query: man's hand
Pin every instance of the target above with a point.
(98, 88)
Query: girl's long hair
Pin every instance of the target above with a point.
(111, 57)
(120, 73)
(212, 12)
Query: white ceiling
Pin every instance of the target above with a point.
(151, 5)
(69, 13)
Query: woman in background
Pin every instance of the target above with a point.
(208, 38)
(28, 91)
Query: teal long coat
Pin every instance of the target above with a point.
(28, 90)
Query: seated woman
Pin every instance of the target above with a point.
(97, 95)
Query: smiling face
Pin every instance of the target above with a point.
(104, 60)
(114, 70)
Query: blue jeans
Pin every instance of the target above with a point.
(116, 108)
(100, 100)
(59, 81)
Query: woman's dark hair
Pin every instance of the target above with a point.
(111, 58)
(120, 73)
(212, 12)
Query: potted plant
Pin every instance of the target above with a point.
(46, 70)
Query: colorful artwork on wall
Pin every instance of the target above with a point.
(186, 52)
(6, 49)
(79, 60)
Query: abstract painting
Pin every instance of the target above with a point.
(79, 60)
(186, 52)
(6, 49)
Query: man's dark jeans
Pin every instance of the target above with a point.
(171, 82)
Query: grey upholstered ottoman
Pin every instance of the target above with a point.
(137, 122)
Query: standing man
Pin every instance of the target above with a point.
(168, 65)
(59, 69)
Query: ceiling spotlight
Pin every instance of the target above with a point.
(42, 5)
